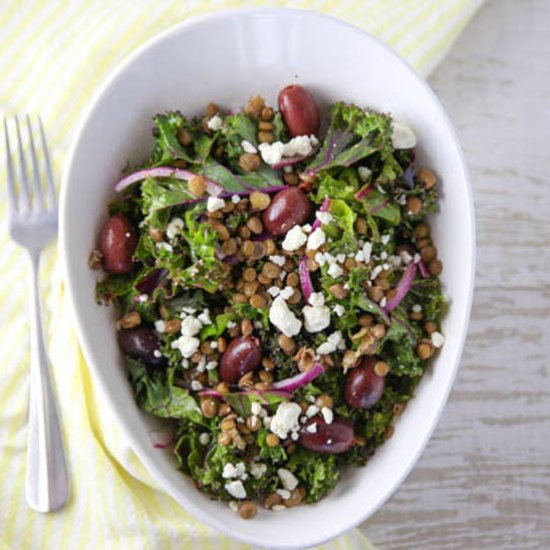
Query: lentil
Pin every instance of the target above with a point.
(272, 440)
(250, 162)
(414, 205)
(197, 185)
(259, 200)
(428, 253)
(247, 510)
(255, 225)
(131, 320)
(265, 137)
(427, 178)
(258, 301)
(291, 178)
(381, 368)
(425, 349)
(435, 267)
(209, 407)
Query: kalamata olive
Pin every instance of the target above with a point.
(299, 110)
(241, 356)
(288, 208)
(363, 386)
(141, 343)
(336, 437)
(117, 242)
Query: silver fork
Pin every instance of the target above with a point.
(33, 224)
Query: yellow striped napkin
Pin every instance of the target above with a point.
(54, 54)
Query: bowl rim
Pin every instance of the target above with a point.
(72, 291)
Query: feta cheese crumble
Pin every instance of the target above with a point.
(403, 136)
(258, 470)
(236, 489)
(288, 479)
(235, 199)
(214, 203)
(248, 147)
(285, 419)
(277, 260)
(316, 318)
(324, 217)
(160, 325)
(328, 415)
(187, 345)
(174, 227)
(190, 326)
(273, 153)
(294, 239)
(215, 123)
(281, 316)
(334, 342)
(335, 271)
(317, 299)
(316, 239)
(438, 339)
(339, 309)
(364, 173)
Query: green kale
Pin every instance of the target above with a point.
(157, 395)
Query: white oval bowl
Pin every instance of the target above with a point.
(225, 58)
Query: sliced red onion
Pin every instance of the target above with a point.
(305, 279)
(211, 393)
(324, 208)
(212, 188)
(296, 382)
(162, 438)
(423, 269)
(220, 396)
(289, 161)
(402, 288)
(363, 193)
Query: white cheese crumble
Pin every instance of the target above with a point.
(164, 246)
(215, 123)
(214, 203)
(274, 291)
(385, 239)
(278, 508)
(283, 493)
(190, 326)
(272, 153)
(160, 325)
(277, 260)
(187, 345)
(196, 385)
(312, 428)
(286, 293)
(300, 145)
(364, 173)
(256, 409)
(339, 309)
(232, 470)
(438, 339)
(335, 271)
(143, 298)
(320, 258)
(417, 308)
(174, 227)
(294, 239)
(316, 318)
(281, 316)
(248, 147)
(367, 249)
(312, 410)
(288, 479)
(403, 136)
(258, 470)
(324, 217)
(375, 272)
(328, 415)
(236, 489)
(333, 343)
(383, 301)
(306, 228)
(285, 419)
(317, 299)
(211, 365)
(157, 353)
(316, 239)
(231, 324)
(235, 199)
(204, 317)
(204, 438)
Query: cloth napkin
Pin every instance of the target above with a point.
(54, 55)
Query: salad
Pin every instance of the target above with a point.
(277, 290)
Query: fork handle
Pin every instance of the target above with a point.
(47, 485)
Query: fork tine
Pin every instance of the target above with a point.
(12, 193)
(38, 202)
(24, 195)
(52, 195)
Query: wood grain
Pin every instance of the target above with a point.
(484, 480)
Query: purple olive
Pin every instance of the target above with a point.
(141, 343)
(363, 386)
(241, 356)
(299, 110)
(334, 438)
(117, 242)
(288, 208)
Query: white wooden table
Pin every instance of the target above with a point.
(484, 480)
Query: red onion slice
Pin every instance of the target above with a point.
(212, 188)
(296, 382)
(402, 288)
